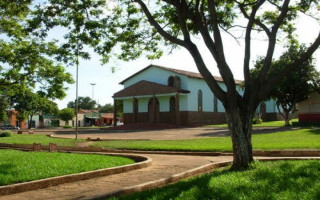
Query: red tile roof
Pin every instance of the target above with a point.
(178, 71)
(147, 88)
(107, 115)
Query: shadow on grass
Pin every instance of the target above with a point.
(265, 180)
(315, 131)
(6, 168)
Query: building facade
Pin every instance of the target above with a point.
(166, 95)
(309, 110)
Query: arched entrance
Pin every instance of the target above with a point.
(154, 110)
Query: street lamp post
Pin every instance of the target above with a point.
(92, 84)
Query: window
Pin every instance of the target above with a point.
(170, 81)
(174, 81)
(215, 104)
(199, 100)
(172, 104)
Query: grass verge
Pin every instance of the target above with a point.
(263, 124)
(43, 139)
(285, 180)
(18, 166)
(297, 139)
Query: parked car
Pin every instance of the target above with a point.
(9, 127)
(119, 123)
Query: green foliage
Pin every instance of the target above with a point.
(67, 114)
(297, 139)
(67, 126)
(28, 166)
(296, 86)
(26, 60)
(28, 103)
(83, 103)
(257, 121)
(263, 180)
(5, 133)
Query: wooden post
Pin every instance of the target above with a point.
(134, 110)
(154, 109)
(177, 108)
(114, 112)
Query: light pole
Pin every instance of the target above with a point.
(92, 84)
(77, 88)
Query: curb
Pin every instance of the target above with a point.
(48, 182)
(271, 153)
(177, 177)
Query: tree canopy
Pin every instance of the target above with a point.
(295, 87)
(83, 103)
(128, 29)
(66, 114)
(27, 60)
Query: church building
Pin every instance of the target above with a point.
(159, 94)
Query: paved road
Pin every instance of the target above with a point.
(167, 134)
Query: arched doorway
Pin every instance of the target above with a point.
(154, 110)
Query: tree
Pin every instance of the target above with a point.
(27, 60)
(138, 27)
(108, 108)
(67, 114)
(295, 87)
(28, 103)
(83, 103)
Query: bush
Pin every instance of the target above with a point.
(67, 126)
(5, 133)
(256, 121)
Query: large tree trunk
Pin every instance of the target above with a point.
(240, 127)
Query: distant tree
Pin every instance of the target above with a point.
(4, 105)
(67, 114)
(295, 87)
(108, 108)
(31, 104)
(83, 103)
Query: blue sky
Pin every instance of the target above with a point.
(107, 83)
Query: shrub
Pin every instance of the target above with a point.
(67, 126)
(5, 133)
(256, 121)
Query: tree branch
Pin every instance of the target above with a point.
(272, 42)
(221, 60)
(247, 52)
(289, 69)
(156, 25)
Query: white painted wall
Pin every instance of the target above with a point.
(127, 106)
(143, 104)
(194, 86)
(312, 105)
(156, 75)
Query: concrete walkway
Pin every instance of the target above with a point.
(163, 166)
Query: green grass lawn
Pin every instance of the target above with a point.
(281, 180)
(43, 139)
(263, 124)
(18, 166)
(296, 139)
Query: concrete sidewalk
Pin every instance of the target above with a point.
(163, 166)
